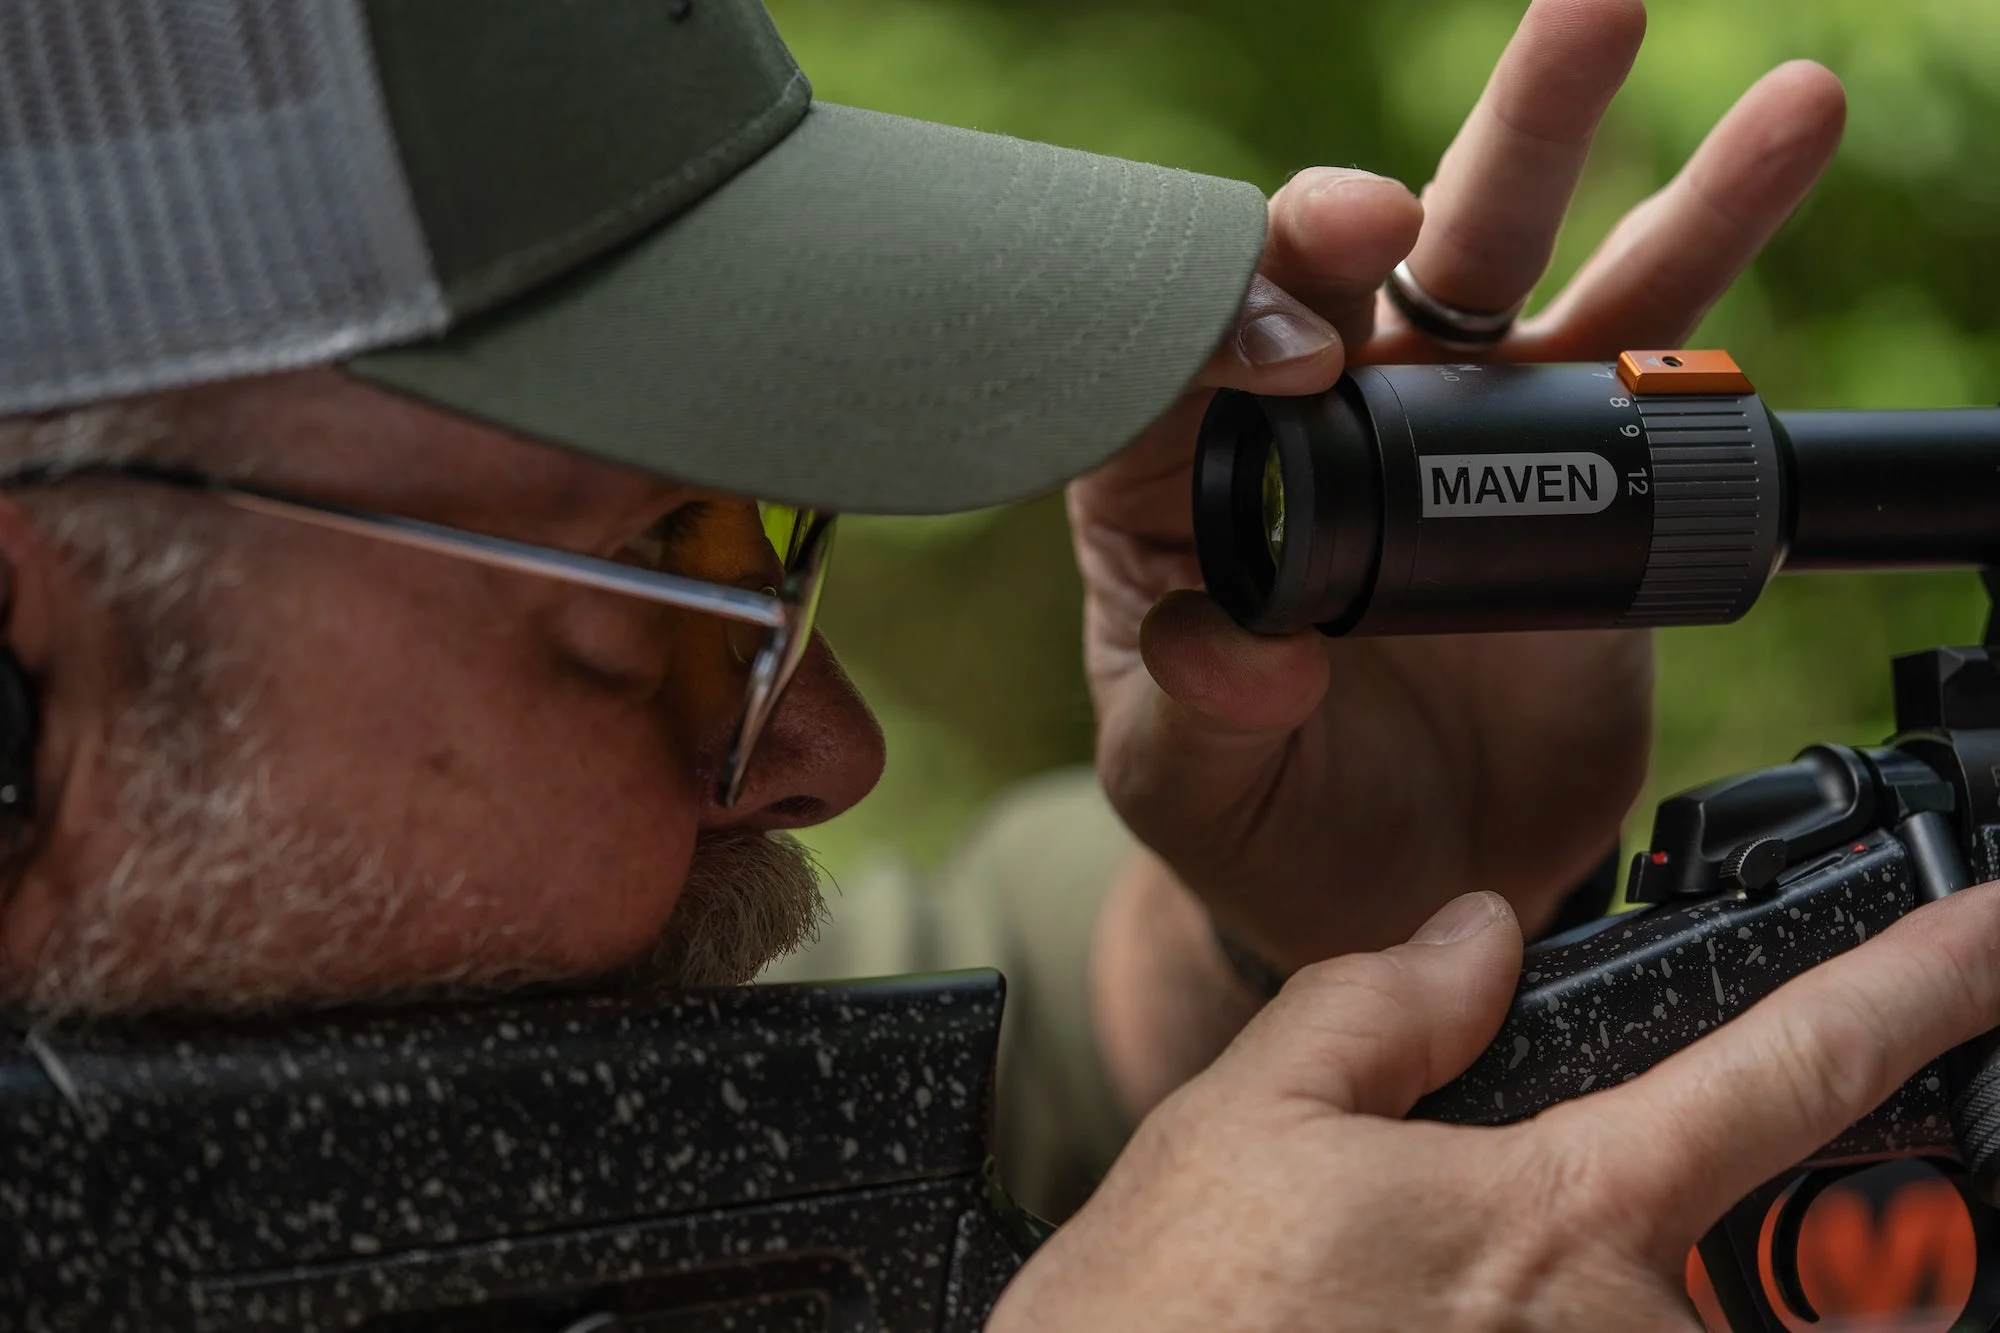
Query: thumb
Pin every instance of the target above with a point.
(1223, 678)
(1373, 1032)
(1202, 725)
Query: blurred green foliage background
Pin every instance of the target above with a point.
(1883, 292)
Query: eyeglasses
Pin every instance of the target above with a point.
(801, 538)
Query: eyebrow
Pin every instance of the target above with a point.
(677, 524)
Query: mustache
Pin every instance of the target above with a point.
(750, 898)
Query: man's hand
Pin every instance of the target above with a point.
(1277, 1191)
(1320, 795)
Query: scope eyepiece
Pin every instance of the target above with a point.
(1287, 507)
(1656, 490)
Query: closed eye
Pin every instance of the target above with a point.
(655, 547)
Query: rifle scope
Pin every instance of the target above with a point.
(1654, 490)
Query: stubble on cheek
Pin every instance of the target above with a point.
(223, 904)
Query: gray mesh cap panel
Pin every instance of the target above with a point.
(195, 189)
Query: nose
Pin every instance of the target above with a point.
(820, 753)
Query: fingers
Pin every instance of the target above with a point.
(1683, 1142)
(1277, 345)
(1228, 681)
(1492, 214)
(1371, 1033)
(1204, 729)
(1336, 235)
(1670, 258)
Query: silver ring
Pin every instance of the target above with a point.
(1448, 324)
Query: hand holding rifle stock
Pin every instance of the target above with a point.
(1279, 1190)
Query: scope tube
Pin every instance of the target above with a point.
(1494, 497)
(1882, 490)
(1457, 498)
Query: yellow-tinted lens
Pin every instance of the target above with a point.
(1274, 506)
(804, 539)
(782, 529)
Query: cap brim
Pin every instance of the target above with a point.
(878, 315)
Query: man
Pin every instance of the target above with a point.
(295, 289)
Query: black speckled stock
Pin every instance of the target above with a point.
(758, 1159)
(1608, 1007)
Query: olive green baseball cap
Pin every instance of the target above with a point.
(618, 226)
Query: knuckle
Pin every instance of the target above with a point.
(1573, 1183)
(1969, 984)
(1363, 1014)
(1376, 979)
(1836, 1066)
(1569, 1204)
(1176, 1132)
(1963, 961)
(1495, 242)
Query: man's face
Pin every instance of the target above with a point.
(412, 771)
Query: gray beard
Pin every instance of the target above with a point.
(224, 903)
(218, 910)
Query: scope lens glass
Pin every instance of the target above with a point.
(1274, 505)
